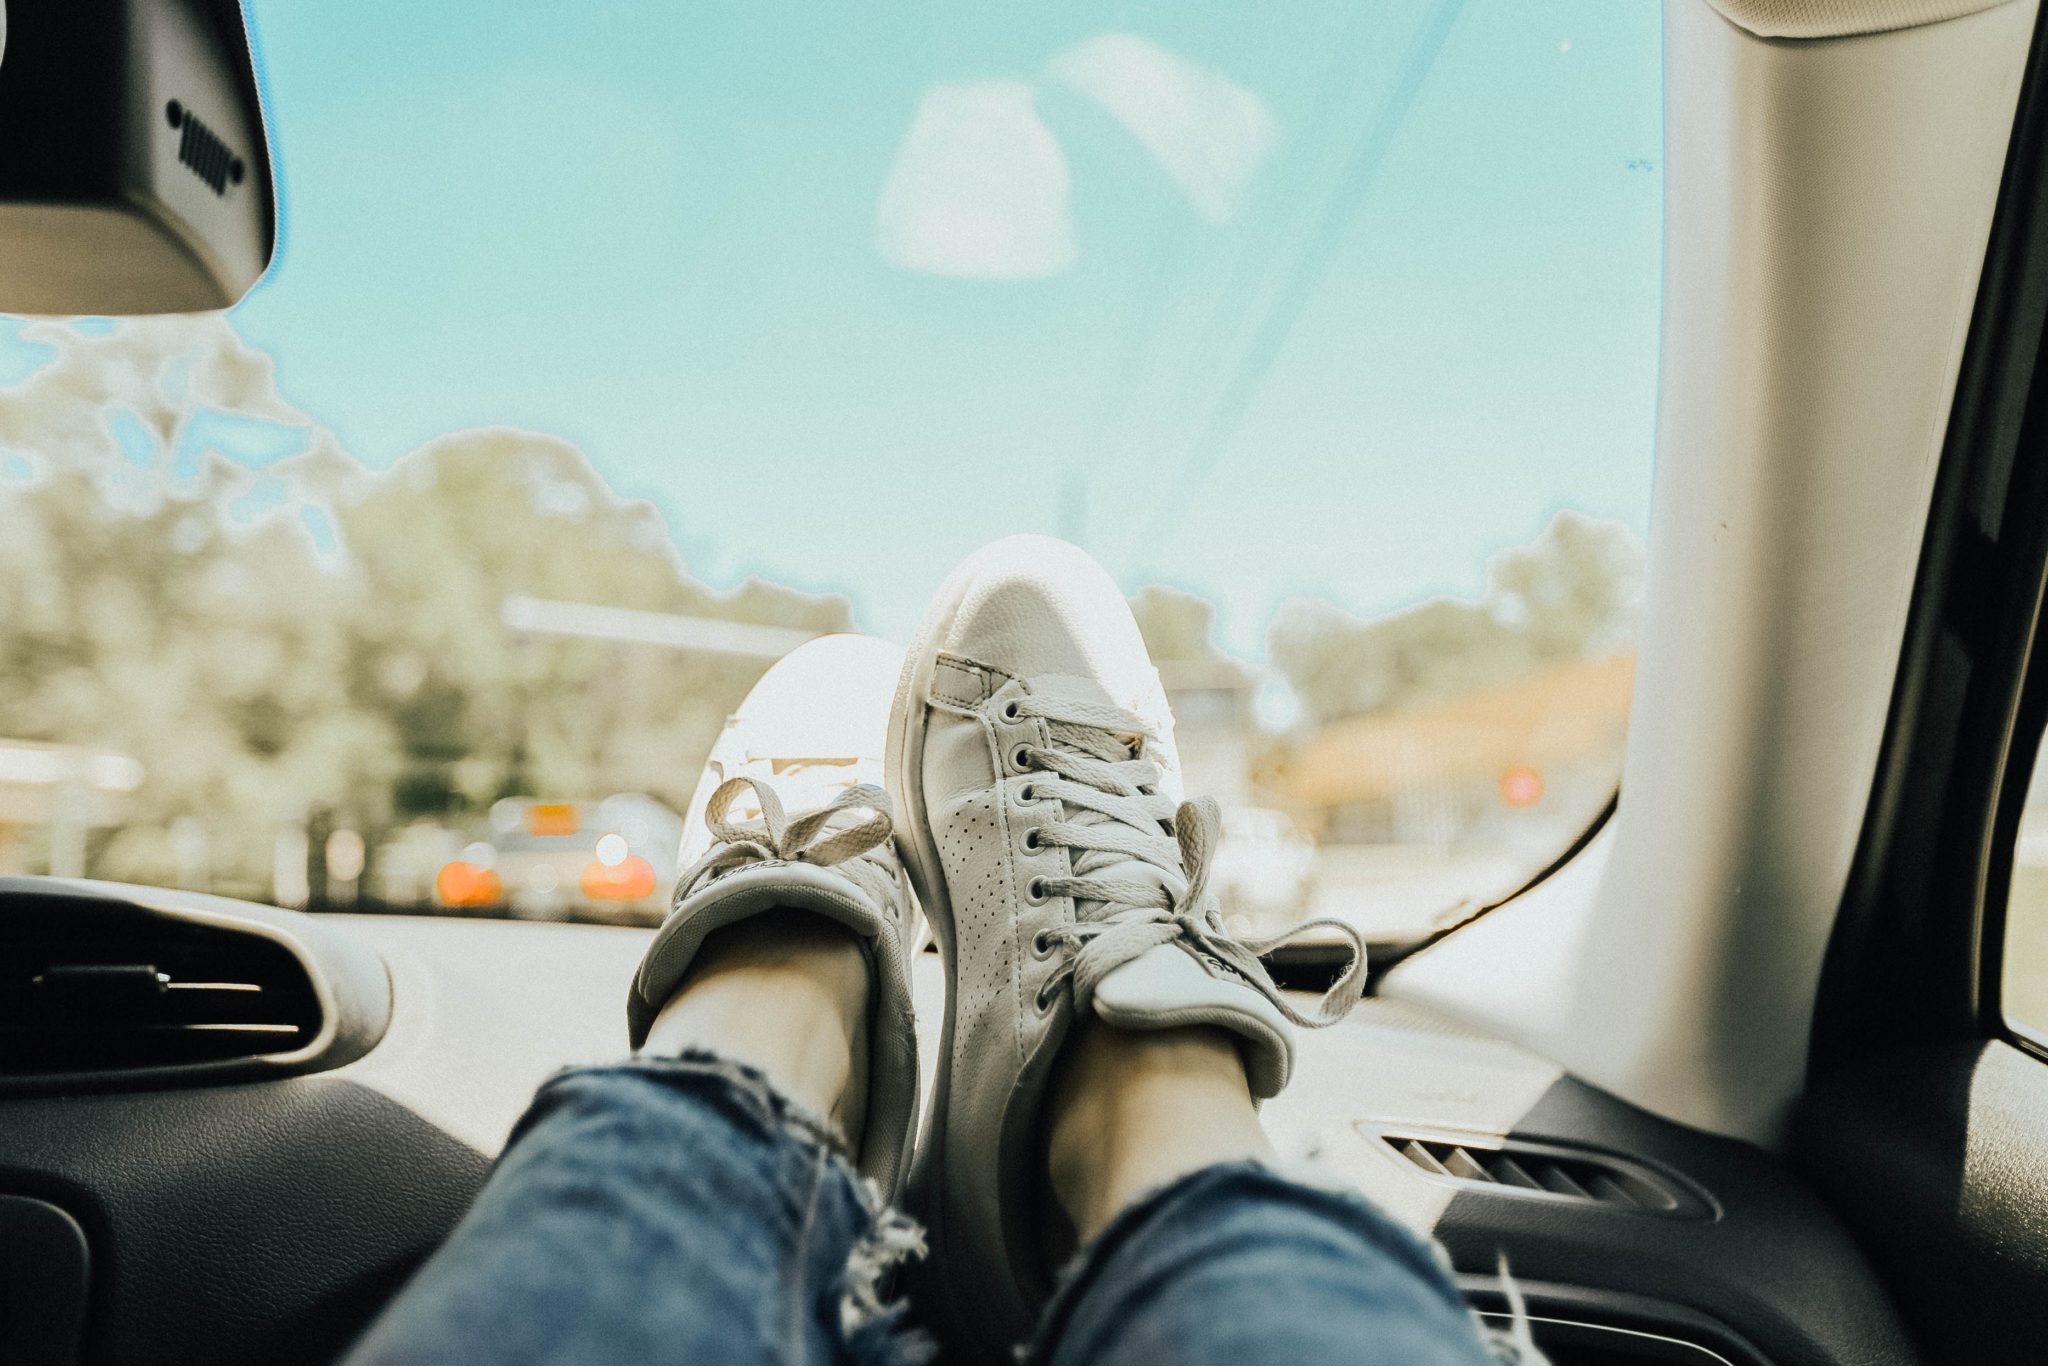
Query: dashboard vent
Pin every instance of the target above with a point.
(1545, 1171)
(163, 993)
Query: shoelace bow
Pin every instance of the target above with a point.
(776, 837)
(1096, 762)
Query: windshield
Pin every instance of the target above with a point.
(613, 349)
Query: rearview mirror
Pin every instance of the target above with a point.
(134, 172)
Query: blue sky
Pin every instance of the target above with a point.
(1256, 300)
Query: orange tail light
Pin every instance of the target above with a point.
(629, 880)
(465, 884)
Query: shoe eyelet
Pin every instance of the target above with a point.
(1032, 844)
(1043, 999)
(1027, 794)
(1035, 893)
(1020, 759)
(1010, 712)
(1041, 944)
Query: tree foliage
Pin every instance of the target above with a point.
(1179, 628)
(1570, 594)
(279, 637)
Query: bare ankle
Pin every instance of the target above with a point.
(784, 992)
(1133, 1111)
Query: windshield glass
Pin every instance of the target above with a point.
(613, 349)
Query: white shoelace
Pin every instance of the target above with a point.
(819, 837)
(1096, 762)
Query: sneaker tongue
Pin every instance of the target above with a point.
(1076, 688)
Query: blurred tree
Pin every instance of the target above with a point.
(1177, 626)
(473, 518)
(195, 573)
(1573, 593)
(1570, 594)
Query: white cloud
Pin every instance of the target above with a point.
(978, 189)
(1208, 132)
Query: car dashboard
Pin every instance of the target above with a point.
(250, 1211)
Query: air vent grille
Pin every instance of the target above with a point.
(202, 151)
(1545, 1171)
(77, 999)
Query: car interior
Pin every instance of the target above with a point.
(1732, 1083)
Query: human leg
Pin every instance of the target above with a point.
(1198, 1249)
(661, 1209)
(1032, 759)
(698, 1203)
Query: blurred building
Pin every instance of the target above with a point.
(1547, 746)
(52, 797)
(1212, 726)
(1264, 870)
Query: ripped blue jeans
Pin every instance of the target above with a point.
(684, 1211)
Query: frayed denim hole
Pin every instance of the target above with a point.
(892, 1239)
(871, 1324)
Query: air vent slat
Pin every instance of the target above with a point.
(1553, 1177)
(234, 1028)
(1509, 1172)
(1623, 1189)
(1423, 1158)
(1541, 1171)
(1460, 1163)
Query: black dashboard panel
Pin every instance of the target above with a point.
(1948, 1137)
(267, 1221)
(1772, 1275)
(261, 1221)
(1765, 1275)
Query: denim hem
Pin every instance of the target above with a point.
(1082, 1270)
(1512, 1344)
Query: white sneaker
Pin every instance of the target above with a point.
(1031, 752)
(809, 734)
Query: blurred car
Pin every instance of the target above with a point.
(612, 861)
(409, 862)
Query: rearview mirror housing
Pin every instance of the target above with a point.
(135, 175)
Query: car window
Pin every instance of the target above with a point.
(613, 349)
(2025, 990)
